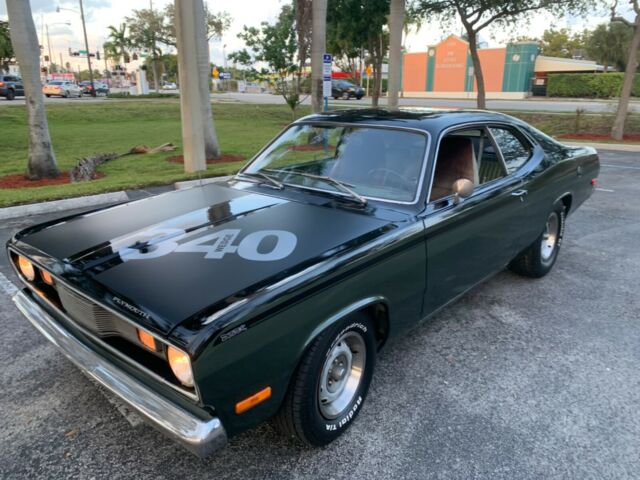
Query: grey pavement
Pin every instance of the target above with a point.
(533, 104)
(520, 379)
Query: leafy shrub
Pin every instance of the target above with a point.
(590, 85)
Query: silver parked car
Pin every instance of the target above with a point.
(61, 88)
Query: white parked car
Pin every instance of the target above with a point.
(61, 88)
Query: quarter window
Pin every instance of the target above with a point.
(514, 151)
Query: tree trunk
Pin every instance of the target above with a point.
(477, 69)
(617, 131)
(396, 26)
(42, 160)
(377, 54)
(318, 48)
(211, 144)
(156, 73)
(187, 20)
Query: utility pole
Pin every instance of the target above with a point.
(190, 97)
(49, 46)
(86, 46)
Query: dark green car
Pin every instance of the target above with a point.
(213, 309)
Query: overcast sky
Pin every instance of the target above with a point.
(102, 13)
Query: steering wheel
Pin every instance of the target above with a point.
(387, 172)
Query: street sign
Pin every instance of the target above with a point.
(225, 76)
(215, 73)
(369, 71)
(327, 59)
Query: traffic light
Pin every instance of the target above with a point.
(46, 58)
(43, 69)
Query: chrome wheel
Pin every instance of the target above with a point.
(550, 237)
(341, 375)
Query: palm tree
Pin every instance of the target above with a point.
(318, 47)
(118, 44)
(211, 145)
(42, 160)
(396, 25)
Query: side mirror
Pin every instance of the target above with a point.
(462, 188)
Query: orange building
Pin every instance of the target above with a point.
(446, 70)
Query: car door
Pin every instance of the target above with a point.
(19, 86)
(472, 239)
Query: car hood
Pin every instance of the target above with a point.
(169, 258)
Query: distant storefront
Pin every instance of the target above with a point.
(446, 70)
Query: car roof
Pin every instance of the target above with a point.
(430, 120)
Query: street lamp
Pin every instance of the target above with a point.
(49, 40)
(86, 42)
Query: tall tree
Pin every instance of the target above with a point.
(617, 131)
(6, 48)
(187, 19)
(561, 43)
(396, 26)
(476, 15)
(276, 45)
(216, 24)
(118, 45)
(608, 45)
(42, 161)
(357, 29)
(145, 28)
(211, 144)
(318, 48)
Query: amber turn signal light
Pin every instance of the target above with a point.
(46, 277)
(26, 268)
(253, 400)
(147, 340)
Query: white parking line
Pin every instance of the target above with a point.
(7, 286)
(604, 190)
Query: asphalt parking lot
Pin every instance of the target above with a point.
(520, 379)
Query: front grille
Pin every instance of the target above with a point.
(88, 314)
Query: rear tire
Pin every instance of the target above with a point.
(540, 257)
(11, 95)
(47, 95)
(330, 384)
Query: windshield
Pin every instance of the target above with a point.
(376, 163)
(55, 83)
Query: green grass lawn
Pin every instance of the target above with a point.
(82, 130)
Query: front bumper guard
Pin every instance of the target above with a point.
(201, 437)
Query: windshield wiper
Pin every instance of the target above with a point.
(264, 176)
(342, 186)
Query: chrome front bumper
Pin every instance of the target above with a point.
(201, 437)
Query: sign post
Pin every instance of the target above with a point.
(369, 73)
(327, 59)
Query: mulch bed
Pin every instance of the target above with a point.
(223, 159)
(19, 180)
(594, 137)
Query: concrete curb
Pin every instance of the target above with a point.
(618, 147)
(61, 205)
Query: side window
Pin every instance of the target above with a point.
(514, 150)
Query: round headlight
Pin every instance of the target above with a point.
(180, 366)
(26, 268)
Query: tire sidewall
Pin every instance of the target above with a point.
(321, 430)
(546, 265)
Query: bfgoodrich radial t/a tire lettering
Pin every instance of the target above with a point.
(331, 383)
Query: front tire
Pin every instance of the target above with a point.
(539, 258)
(345, 96)
(330, 384)
(11, 95)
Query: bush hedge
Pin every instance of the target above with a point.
(596, 85)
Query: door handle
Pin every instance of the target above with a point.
(520, 194)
